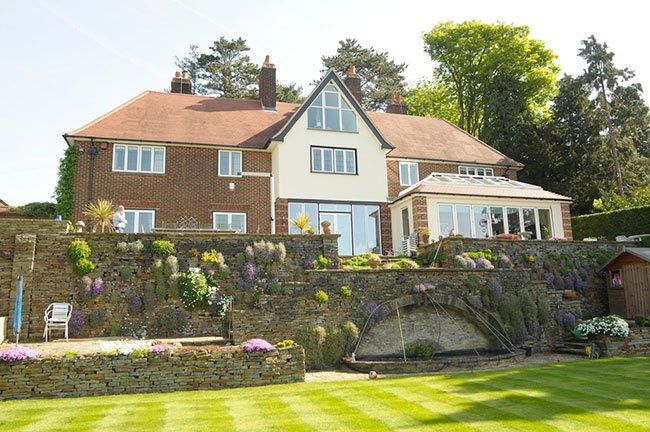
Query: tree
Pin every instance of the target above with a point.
(228, 72)
(37, 209)
(291, 93)
(431, 99)
(469, 55)
(380, 77)
(190, 64)
(64, 191)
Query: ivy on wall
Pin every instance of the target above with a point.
(64, 188)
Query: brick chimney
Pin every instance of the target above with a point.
(395, 105)
(268, 95)
(353, 82)
(181, 83)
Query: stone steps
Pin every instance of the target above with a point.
(573, 345)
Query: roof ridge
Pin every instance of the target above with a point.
(215, 97)
(111, 112)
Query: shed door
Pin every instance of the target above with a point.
(636, 283)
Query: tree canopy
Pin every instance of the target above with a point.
(469, 56)
(380, 76)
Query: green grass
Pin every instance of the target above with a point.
(597, 395)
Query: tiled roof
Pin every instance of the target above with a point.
(643, 253)
(181, 118)
(191, 119)
(496, 187)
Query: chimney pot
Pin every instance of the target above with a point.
(352, 72)
(395, 105)
(184, 74)
(268, 96)
(353, 82)
(177, 74)
(181, 83)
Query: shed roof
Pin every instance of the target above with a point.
(643, 253)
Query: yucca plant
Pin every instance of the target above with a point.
(302, 222)
(101, 214)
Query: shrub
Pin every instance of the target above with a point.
(83, 266)
(345, 291)
(171, 321)
(122, 246)
(193, 289)
(321, 263)
(639, 320)
(139, 352)
(257, 345)
(77, 321)
(171, 266)
(78, 250)
(529, 311)
(96, 317)
(193, 253)
(487, 254)
(360, 262)
(162, 247)
(325, 348)
(483, 263)
(126, 271)
(610, 325)
(505, 262)
(405, 263)
(311, 338)
(285, 343)
(611, 224)
(420, 351)
(100, 214)
(321, 297)
(136, 246)
(259, 266)
(18, 353)
(569, 321)
(134, 304)
(212, 257)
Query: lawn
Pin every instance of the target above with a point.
(597, 395)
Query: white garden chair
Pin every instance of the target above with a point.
(57, 316)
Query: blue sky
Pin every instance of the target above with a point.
(65, 63)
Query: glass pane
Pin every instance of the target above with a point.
(340, 162)
(118, 162)
(481, 229)
(344, 104)
(332, 100)
(145, 159)
(239, 223)
(413, 172)
(496, 215)
(130, 221)
(294, 210)
(221, 221)
(480, 171)
(317, 159)
(318, 101)
(224, 163)
(158, 160)
(315, 118)
(446, 218)
(489, 172)
(332, 121)
(350, 163)
(235, 163)
(545, 224)
(405, 223)
(514, 225)
(462, 170)
(530, 222)
(330, 87)
(342, 225)
(463, 217)
(403, 174)
(132, 159)
(349, 121)
(360, 229)
(145, 222)
(327, 160)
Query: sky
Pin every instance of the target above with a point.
(64, 63)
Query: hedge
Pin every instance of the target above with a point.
(611, 224)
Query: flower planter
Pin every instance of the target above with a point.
(569, 294)
(374, 262)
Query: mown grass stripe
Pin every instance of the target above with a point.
(195, 413)
(396, 412)
(323, 411)
(135, 413)
(542, 409)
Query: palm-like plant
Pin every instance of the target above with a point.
(100, 214)
(302, 222)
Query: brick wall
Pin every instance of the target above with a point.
(425, 169)
(566, 221)
(105, 375)
(189, 187)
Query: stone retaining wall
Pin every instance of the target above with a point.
(106, 375)
(637, 343)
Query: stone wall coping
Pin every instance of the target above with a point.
(418, 270)
(536, 242)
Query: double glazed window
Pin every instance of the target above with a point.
(476, 171)
(408, 173)
(330, 111)
(331, 160)
(139, 221)
(229, 221)
(230, 163)
(144, 159)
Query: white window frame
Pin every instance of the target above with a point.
(333, 151)
(126, 147)
(230, 153)
(410, 166)
(340, 109)
(230, 215)
(475, 171)
(136, 218)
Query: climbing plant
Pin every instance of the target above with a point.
(64, 188)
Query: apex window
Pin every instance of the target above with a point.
(408, 173)
(230, 163)
(144, 159)
(333, 160)
(330, 111)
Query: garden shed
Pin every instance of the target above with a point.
(628, 282)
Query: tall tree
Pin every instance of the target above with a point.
(469, 55)
(228, 71)
(380, 76)
(431, 99)
(190, 64)
(291, 93)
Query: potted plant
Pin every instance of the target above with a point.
(424, 233)
(327, 227)
(374, 260)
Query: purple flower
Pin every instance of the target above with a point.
(579, 283)
(569, 321)
(420, 288)
(307, 263)
(18, 353)
(135, 304)
(77, 321)
(160, 348)
(482, 263)
(5, 254)
(257, 345)
(470, 263)
(98, 287)
(250, 255)
(248, 274)
(549, 278)
(584, 270)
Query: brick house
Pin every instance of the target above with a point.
(174, 159)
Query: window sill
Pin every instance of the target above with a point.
(335, 173)
(138, 172)
(332, 130)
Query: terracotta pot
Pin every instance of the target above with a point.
(569, 294)
(327, 230)
(374, 263)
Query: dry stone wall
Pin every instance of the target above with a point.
(106, 375)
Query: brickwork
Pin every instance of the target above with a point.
(566, 222)
(420, 216)
(282, 216)
(190, 186)
(106, 375)
(386, 230)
